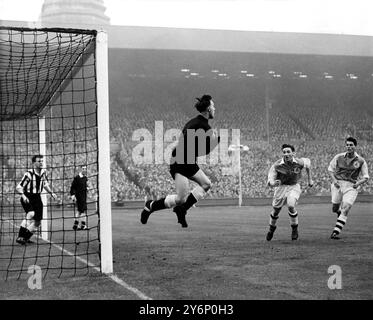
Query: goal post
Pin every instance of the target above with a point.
(104, 152)
(44, 198)
(236, 150)
(54, 102)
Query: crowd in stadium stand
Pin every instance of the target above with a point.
(315, 124)
(316, 127)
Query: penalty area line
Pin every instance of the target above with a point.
(112, 276)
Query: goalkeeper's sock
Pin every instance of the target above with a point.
(190, 201)
(158, 205)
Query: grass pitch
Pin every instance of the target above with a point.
(223, 254)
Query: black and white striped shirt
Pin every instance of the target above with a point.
(32, 182)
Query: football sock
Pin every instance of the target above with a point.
(24, 223)
(83, 218)
(197, 194)
(190, 201)
(341, 221)
(336, 208)
(158, 204)
(273, 219)
(293, 218)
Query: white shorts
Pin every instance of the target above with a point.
(283, 192)
(346, 193)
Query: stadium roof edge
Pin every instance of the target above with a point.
(163, 38)
(239, 41)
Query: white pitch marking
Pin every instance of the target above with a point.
(113, 277)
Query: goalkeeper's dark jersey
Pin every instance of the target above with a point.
(194, 141)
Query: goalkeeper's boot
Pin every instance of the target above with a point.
(76, 225)
(270, 232)
(146, 212)
(181, 213)
(334, 235)
(294, 232)
(21, 240)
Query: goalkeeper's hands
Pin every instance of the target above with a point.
(73, 198)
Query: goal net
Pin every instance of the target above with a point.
(54, 102)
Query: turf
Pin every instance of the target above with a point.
(223, 254)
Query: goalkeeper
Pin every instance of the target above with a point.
(197, 139)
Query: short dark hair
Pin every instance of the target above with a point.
(36, 156)
(203, 103)
(285, 145)
(352, 139)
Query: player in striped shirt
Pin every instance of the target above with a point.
(348, 171)
(31, 186)
(284, 176)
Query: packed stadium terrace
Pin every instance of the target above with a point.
(313, 102)
(314, 113)
(154, 180)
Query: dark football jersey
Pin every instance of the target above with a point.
(194, 141)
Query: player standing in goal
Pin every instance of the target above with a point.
(30, 188)
(78, 194)
(284, 176)
(183, 164)
(348, 171)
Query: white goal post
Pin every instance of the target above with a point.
(236, 149)
(104, 186)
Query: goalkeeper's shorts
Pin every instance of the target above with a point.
(187, 170)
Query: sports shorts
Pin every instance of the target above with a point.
(283, 192)
(35, 204)
(346, 193)
(81, 203)
(187, 170)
